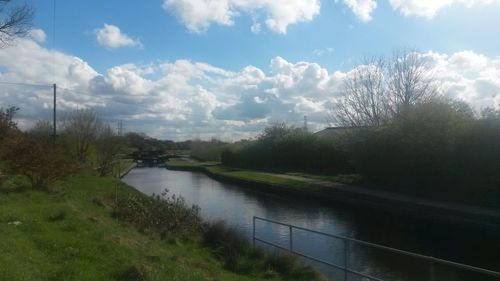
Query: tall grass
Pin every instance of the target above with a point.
(240, 256)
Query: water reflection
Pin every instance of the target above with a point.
(237, 206)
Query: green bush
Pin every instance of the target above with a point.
(239, 255)
(288, 148)
(434, 150)
(35, 158)
(163, 214)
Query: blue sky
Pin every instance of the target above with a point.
(165, 38)
(227, 68)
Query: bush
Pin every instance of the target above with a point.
(206, 150)
(163, 214)
(238, 255)
(7, 122)
(36, 159)
(282, 147)
(227, 244)
(436, 149)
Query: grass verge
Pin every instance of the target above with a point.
(71, 234)
(246, 176)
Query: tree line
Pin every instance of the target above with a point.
(400, 134)
(84, 141)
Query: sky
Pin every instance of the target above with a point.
(183, 69)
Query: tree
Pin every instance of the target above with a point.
(490, 113)
(42, 130)
(14, 22)
(381, 89)
(107, 147)
(365, 100)
(82, 127)
(206, 150)
(409, 80)
(275, 132)
(7, 122)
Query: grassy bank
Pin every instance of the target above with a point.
(247, 176)
(344, 189)
(70, 234)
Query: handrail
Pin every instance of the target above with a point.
(430, 259)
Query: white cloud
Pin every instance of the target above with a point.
(188, 99)
(198, 15)
(362, 9)
(38, 35)
(325, 51)
(256, 28)
(429, 8)
(110, 36)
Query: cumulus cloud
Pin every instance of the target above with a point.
(198, 15)
(188, 99)
(468, 76)
(110, 36)
(428, 9)
(362, 9)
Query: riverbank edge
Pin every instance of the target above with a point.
(127, 170)
(404, 205)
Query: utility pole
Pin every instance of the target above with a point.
(55, 130)
(305, 123)
(119, 128)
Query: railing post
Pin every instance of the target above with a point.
(291, 238)
(346, 258)
(432, 275)
(253, 237)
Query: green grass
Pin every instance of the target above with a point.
(181, 162)
(243, 175)
(257, 177)
(69, 234)
(121, 166)
(345, 179)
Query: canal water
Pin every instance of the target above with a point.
(238, 204)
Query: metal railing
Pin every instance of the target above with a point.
(432, 261)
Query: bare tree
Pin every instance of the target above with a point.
(107, 147)
(409, 80)
(380, 89)
(365, 99)
(14, 22)
(82, 126)
(42, 129)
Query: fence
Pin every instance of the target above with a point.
(346, 242)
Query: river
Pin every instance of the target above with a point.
(238, 204)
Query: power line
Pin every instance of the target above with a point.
(25, 84)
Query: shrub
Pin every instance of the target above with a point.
(163, 214)
(206, 150)
(227, 244)
(238, 255)
(36, 159)
(288, 148)
(7, 122)
(436, 149)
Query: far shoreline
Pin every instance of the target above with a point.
(421, 208)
